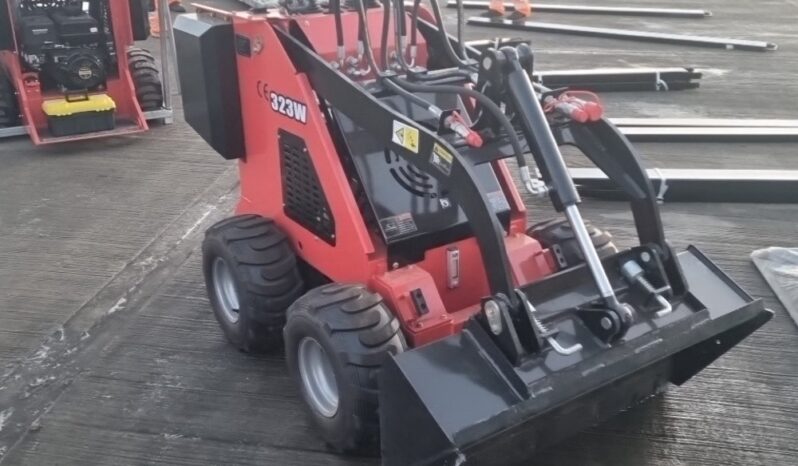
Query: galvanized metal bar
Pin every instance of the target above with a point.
(13, 131)
(165, 19)
(700, 185)
(621, 79)
(728, 44)
(710, 134)
(596, 10)
(706, 122)
(164, 113)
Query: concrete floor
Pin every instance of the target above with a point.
(109, 353)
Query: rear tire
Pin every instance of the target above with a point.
(146, 79)
(352, 330)
(557, 235)
(9, 109)
(251, 277)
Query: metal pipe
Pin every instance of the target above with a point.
(700, 185)
(621, 79)
(447, 44)
(598, 10)
(705, 122)
(710, 134)
(728, 44)
(166, 39)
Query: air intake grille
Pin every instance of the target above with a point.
(303, 196)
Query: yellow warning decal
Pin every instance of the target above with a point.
(405, 135)
(442, 159)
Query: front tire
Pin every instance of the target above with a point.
(336, 339)
(251, 277)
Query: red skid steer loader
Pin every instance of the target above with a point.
(380, 236)
(69, 70)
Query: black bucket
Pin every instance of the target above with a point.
(460, 401)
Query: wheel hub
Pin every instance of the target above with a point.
(225, 290)
(318, 377)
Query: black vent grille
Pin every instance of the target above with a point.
(303, 197)
(409, 177)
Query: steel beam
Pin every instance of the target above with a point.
(596, 10)
(14, 131)
(705, 122)
(728, 44)
(700, 185)
(166, 114)
(710, 134)
(621, 79)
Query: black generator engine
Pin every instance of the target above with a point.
(66, 44)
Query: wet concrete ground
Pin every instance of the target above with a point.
(109, 353)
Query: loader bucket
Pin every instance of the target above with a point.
(460, 401)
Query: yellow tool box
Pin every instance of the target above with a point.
(79, 114)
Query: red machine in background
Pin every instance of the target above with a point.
(69, 70)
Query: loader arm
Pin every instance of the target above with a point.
(381, 121)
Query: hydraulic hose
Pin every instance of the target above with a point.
(460, 26)
(390, 84)
(488, 104)
(447, 45)
(406, 89)
(365, 37)
(414, 27)
(386, 23)
(399, 33)
(335, 6)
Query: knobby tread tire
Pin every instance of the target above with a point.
(266, 274)
(146, 79)
(358, 332)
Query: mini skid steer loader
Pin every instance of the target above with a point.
(69, 69)
(381, 238)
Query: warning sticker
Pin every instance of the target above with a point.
(405, 135)
(398, 225)
(442, 159)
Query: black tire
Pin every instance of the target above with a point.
(264, 275)
(357, 332)
(146, 79)
(9, 109)
(557, 235)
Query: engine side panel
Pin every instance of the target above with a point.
(206, 60)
